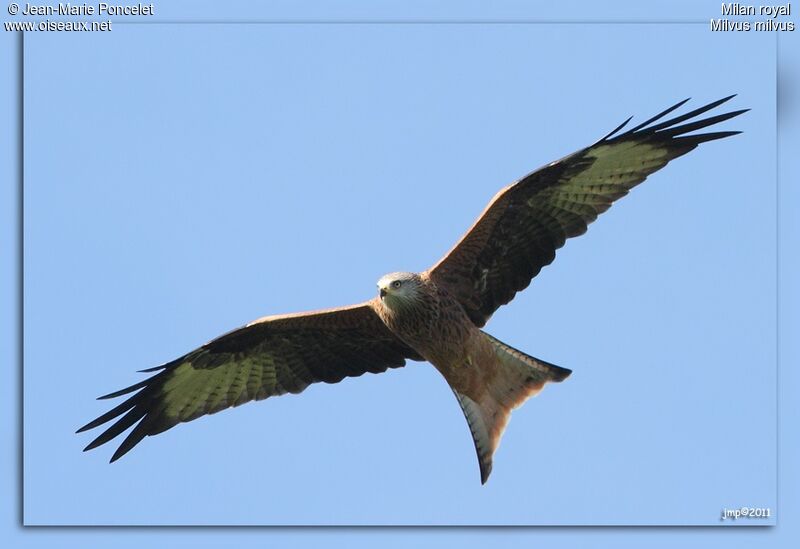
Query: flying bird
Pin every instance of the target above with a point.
(435, 316)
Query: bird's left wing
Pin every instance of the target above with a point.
(268, 357)
(522, 227)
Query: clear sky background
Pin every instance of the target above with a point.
(181, 180)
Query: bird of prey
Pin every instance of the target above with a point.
(436, 315)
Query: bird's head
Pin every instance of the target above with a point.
(399, 289)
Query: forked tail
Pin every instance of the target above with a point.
(518, 377)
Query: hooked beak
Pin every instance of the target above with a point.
(383, 292)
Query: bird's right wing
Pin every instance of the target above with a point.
(271, 356)
(523, 226)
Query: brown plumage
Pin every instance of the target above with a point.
(434, 316)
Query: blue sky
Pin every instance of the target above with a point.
(224, 172)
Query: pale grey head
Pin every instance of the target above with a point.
(398, 290)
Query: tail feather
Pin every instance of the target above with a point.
(481, 428)
(518, 377)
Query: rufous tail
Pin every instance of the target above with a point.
(519, 376)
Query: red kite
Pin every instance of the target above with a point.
(436, 315)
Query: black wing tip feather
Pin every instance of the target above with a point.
(618, 128)
(133, 438)
(124, 391)
(133, 411)
(153, 369)
(136, 415)
(663, 113)
(671, 128)
(646, 122)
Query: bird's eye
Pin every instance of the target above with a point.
(396, 284)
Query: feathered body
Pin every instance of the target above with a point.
(488, 377)
(427, 318)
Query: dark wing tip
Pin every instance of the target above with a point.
(618, 128)
(153, 369)
(671, 126)
(91, 446)
(706, 137)
(126, 390)
(660, 115)
(108, 416)
(124, 449)
(139, 409)
(94, 444)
